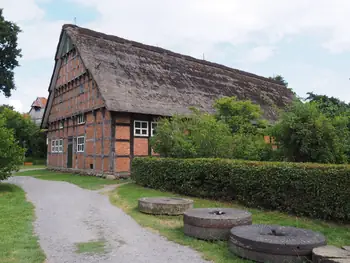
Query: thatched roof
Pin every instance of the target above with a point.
(133, 77)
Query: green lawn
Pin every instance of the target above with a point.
(126, 197)
(32, 166)
(18, 244)
(87, 182)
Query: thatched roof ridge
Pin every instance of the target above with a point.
(133, 77)
(160, 50)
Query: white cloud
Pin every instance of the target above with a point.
(17, 104)
(258, 54)
(235, 21)
(190, 27)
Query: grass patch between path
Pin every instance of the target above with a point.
(87, 182)
(126, 197)
(18, 244)
(92, 247)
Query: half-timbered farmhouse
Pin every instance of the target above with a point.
(107, 92)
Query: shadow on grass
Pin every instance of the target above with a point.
(6, 188)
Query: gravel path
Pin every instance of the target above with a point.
(67, 214)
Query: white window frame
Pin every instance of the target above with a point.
(53, 146)
(60, 146)
(140, 129)
(61, 125)
(56, 146)
(80, 145)
(80, 119)
(153, 128)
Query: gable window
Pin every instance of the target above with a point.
(81, 88)
(74, 53)
(80, 143)
(141, 128)
(153, 128)
(80, 119)
(60, 148)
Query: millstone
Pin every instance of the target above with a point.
(164, 205)
(330, 254)
(214, 223)
(274, 244)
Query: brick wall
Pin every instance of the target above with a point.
(110, 143)
(97, 132)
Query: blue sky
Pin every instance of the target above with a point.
(306, 41)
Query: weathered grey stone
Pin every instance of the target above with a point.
(164, 205)
(214, 223)
(346, 248)
(330, 254)
(265, 257)
(273, 243)
(110, 177)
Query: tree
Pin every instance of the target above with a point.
(196, 135)
(26, 133)
(11, 154)
(279, 79)
(9, 54)
(329, 106)
(304, 134)
(242, 116)
(5, 106)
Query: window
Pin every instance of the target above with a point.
(56, 145)
(81, 88)
(80, 119)
(53, 146)
(61, 124)
(60, 148)
(74, 53)
(61, 98)
(80, 144)
(153, 128)
(141, 128)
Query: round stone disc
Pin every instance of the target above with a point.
(164, 205)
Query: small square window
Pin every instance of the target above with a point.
(60, 148)
(141, 128)
(56, 146)
(52, 146)
(80, 119)
(80, 144)
(61, 124)
(153, 128)
(81, 88)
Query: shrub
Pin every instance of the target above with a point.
(314, 190)
(11, 154)
(196, 135)
(304, 134)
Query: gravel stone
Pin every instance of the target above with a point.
(67, 214)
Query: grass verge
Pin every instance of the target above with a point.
(92, 247)
(18, 244)
(126, 197)
(32, 166)
(87, 182)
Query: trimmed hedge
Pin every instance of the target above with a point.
(35, 161)
(314, 190)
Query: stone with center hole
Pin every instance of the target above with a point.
(214, 223)
(274, 244)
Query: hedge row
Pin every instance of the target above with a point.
(314, 190)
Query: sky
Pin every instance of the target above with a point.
(305, 41)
